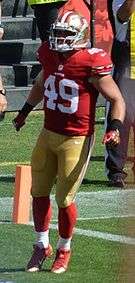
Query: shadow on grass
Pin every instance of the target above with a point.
(102, 158)
(6, 221)
(7, 179)
(13, 270)
(97, 158)
(95, 182)
(105, 183)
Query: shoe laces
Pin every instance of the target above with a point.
(60, 259)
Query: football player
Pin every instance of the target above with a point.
(72, 75)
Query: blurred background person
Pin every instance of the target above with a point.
(81, 6)
(123, 56)
(46, 12)
(3, 101)
(103, 27)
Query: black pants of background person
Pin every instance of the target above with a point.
(45, 15)
(116, 157)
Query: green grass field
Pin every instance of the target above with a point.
(104, 241)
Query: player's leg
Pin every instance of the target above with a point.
(44, 169)
(73, 158)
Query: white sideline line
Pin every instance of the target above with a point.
(7, 175)
(5, 163)
(104, 204)
(106, 236)
(101, 217)
(96, 234)
(100, 235)
(94, 205)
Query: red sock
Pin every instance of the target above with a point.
(67, 220)
(42, 213)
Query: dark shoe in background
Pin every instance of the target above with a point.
(116, 179)
(117, 182)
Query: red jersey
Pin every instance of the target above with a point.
(69, 97)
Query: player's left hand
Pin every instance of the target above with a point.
(112, 138)
(19, 121)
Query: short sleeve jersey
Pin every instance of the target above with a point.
(69, 97)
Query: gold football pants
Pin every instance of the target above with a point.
(63, 159)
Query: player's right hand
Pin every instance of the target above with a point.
(19, 121)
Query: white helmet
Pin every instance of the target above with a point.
(69, 32)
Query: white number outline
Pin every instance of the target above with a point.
(52, 95)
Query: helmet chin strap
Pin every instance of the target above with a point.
(66, 49)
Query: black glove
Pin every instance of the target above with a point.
(2, 116)
(19, 120)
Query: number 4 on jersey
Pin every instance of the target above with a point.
(52, 95)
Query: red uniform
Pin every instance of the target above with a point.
(70, 98)
(64, 146)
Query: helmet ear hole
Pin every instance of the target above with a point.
(69, 32)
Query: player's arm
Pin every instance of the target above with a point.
(126, 10)
(35, 97)
(37, 91)
(3, 101)
(108, 88)
(3, 104)
(1, 26)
